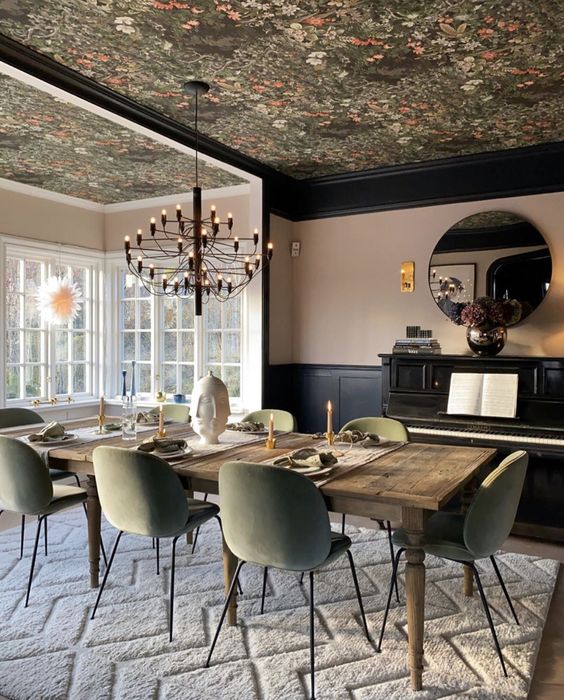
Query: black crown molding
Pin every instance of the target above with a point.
(510, 173)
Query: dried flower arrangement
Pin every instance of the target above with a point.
(487, 312)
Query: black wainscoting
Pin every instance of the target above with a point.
(354, 391)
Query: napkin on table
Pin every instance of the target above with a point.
(307, 457)
(247, 426)
(162, 445)
(358, 437)
(52, 431)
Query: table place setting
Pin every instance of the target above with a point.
(166, 448)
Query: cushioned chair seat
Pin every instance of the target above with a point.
(200, 512)
(64, 497)
(444, 537)
(339, 545)
(57, 474)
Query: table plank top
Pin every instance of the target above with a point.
(416, 475)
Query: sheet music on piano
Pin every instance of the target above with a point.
(483, 394)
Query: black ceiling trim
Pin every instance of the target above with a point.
(517, 172)
(522, 171)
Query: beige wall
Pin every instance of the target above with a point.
(123, 223)
(280, 346)
(45, 220)
(346, 301)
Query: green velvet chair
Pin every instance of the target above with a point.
(274, 517)
(175, 412)
(477, 534)
(13, 417)
(283, 420)
(26, 488)
(392, 430)
(141, 494)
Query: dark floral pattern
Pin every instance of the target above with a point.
(60, 147)
(315, 88)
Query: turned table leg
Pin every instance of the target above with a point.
(229, 567)
(413, 520)
(93, 513)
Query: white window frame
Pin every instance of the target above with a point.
(53, 254)
(115, 266)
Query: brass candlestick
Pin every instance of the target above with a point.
(160, 433)
(101, 422)
(330, 438)
(270, 443)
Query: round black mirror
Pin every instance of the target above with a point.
(491, 254)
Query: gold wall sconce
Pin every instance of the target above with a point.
(408, 276)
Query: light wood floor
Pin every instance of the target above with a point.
(548, 679)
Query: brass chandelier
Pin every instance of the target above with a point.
(195, 256)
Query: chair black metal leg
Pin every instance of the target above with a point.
(22, 535)
(224, 611)
(34, 556)
(302, 579)
(392, 553)
(343, 521)
(77, 480)
(112, 555)
(489, 616)
(45, 535)
(172, 570)
(264, 579)
(153, 543)
(198, 528)
(392, 580)
(358, 595)
(504, 589)
(311, 636)
(158, 557)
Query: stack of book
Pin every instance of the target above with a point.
(417, 346)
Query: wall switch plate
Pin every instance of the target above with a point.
(296, 245)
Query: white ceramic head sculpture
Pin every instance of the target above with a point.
(210, 409)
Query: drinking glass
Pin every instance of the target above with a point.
(129, 421)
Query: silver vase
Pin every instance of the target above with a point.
(486, 341)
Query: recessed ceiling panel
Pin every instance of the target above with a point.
(315, 88)
(52, 144)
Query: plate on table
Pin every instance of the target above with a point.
(262, 431)
(184, 452)
(63, 440)
(312, 471)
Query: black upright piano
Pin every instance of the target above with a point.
(415, 391)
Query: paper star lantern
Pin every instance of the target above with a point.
(59, 299)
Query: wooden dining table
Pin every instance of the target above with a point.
(413, 482)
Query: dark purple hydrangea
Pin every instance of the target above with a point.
(486, 311)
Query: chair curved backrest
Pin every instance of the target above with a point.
(273, 516)
(139, 492)
(10, 417)
(385, 427)
(491, 514)
(176, 412)
(283, 420)
(25, 484)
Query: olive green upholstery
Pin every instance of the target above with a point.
(25, 484)
(175, 412)
(385, 427)
(478, 534)
(26, 488)
(487, 523)
(283, 420)
(141, 494)
(276, 517)
(12, 417)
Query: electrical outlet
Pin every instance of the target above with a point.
(296, 245)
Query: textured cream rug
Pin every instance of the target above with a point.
(53, 650)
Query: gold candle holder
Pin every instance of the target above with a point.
(101, 422)
(270, 443)
(330, 438)
(160, 433)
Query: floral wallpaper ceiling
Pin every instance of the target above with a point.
(62, 148)
(315, 88)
